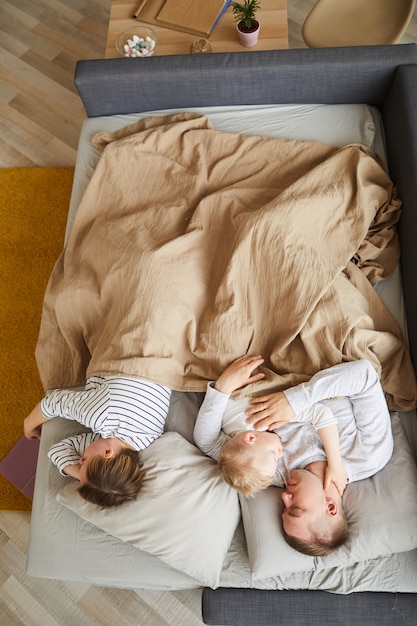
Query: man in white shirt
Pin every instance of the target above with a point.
(313, 517)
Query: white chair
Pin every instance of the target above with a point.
(357, 22)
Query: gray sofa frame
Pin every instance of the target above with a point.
(381, 76)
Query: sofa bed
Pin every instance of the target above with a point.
(247, 122)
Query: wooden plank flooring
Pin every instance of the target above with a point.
(40, 120)
(40, 111)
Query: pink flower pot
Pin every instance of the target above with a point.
(249, 39)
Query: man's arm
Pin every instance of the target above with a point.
(355, 379)
(364, 422)
(335, 471)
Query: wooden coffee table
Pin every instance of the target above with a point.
(273, 34)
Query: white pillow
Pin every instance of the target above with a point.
(381, 513)
(184, 514)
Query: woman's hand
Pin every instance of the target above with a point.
(239, 374)
(269, 412)
(73, 470)
(32, 424)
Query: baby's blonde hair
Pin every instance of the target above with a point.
(237, 468)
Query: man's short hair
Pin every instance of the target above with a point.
(325, 540)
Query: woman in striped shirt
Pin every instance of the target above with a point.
(124, 414)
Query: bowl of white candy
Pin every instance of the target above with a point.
(136, 42)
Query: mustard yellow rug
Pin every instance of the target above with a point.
(33, 210)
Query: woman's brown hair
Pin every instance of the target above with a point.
(110, 482)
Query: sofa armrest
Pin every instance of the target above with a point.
(399, 114)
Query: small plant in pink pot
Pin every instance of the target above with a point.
(247, 24)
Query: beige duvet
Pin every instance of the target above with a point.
(192, 246)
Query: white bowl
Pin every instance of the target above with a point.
(136, 42)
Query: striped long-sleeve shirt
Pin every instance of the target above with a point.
(132, 410)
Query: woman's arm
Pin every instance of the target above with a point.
(32, 424)
(66, 454)
(73, 471)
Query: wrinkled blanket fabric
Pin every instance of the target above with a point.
(192, 246)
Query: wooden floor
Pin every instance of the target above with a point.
(40, 119)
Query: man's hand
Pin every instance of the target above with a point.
(336, 474)
(32, 424)
(269, 412)
(239, 374)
